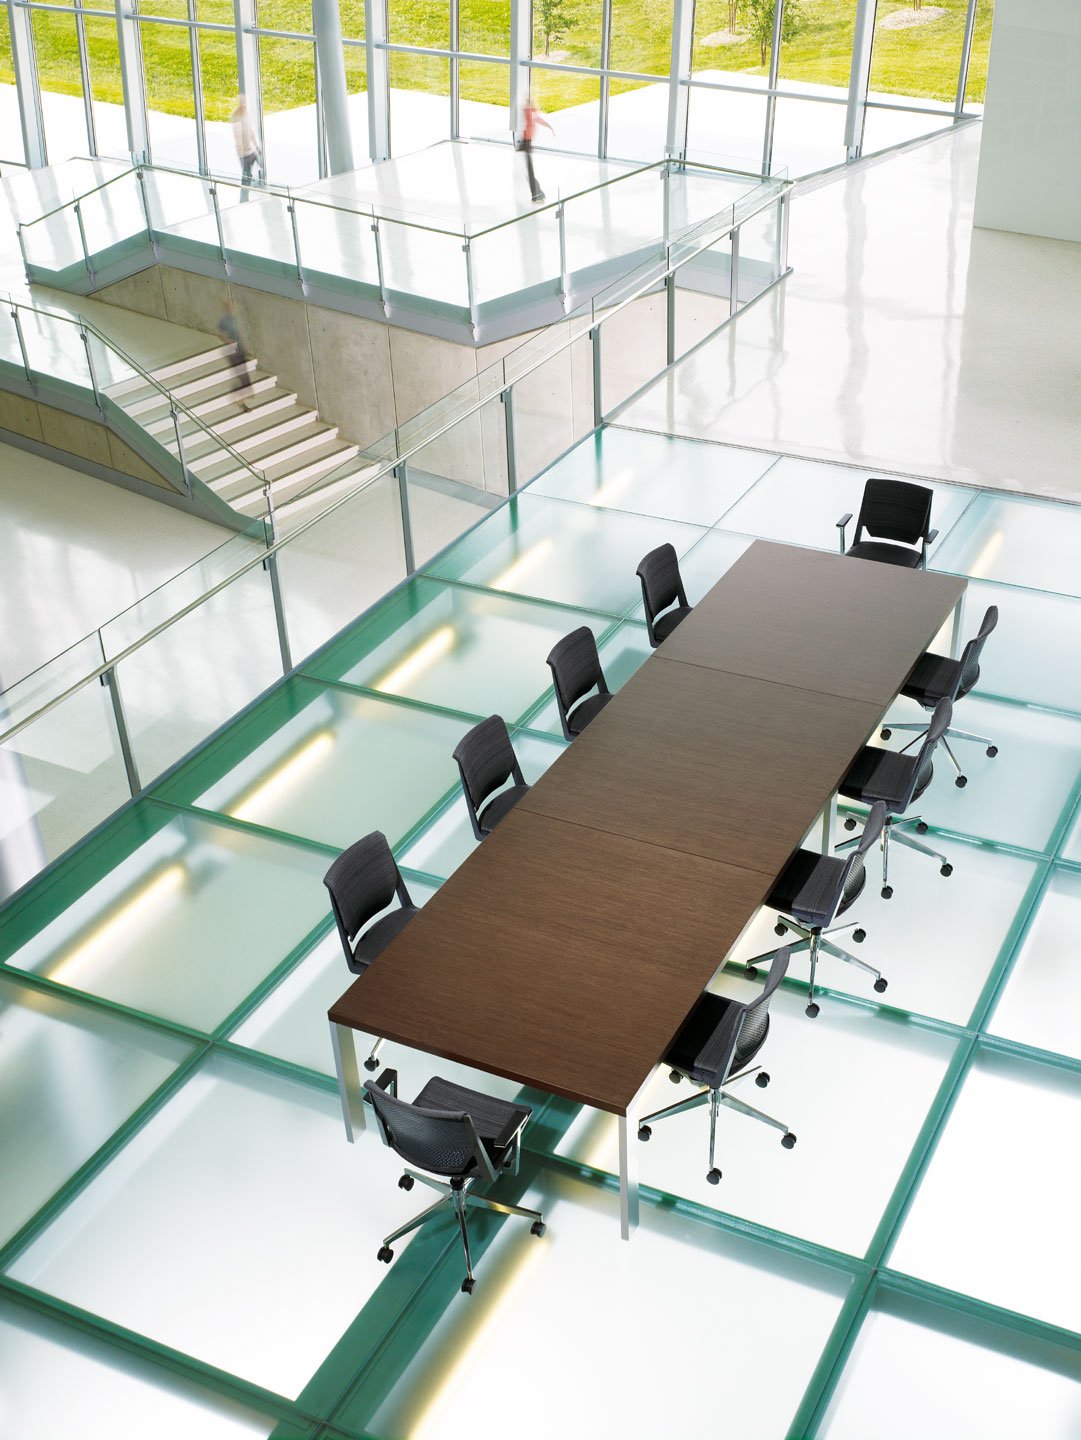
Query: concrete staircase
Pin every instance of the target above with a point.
(272, 437)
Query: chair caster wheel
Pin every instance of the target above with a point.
(537, 1228)
(780, 929)
(751, 972)
(812, 1009)
(961, 781)
(947, 869)
(885, 733)
(644, 1132)
(761, 1079)
(675, 1076)
(714, 1177)
(850, 822)
(887, 892)
(880, 986)
(921, 827)
(992, 751)
(859, 935)
(788, 1141)
(405, 1183)
(371, 1065)
(385, 1253)
(467, 1284)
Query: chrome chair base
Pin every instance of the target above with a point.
(715, 1099)
(815, 941)
(896, 826)
(961, 781)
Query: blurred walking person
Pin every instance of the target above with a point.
(248, 150)
(531, 118)
(229, 334)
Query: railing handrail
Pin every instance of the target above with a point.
(480, 396)
(75, 199)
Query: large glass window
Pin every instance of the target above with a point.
(290, 122)
(169, 87)
(56, 44)
(11, 136)
(917, 53)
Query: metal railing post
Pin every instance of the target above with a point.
(90, 366)
(733, 274)
(82, 241)
(22, 343)
(598, 406)
(469, 284)
(966, 57)
(564, 278)
(407, 527)
(379, 263)
(217, 220)
(666, 180)
(22, 252)
(112, 684)
(670, 315)
(146, 203)
(507, 397)
(291, 204)
(783, 245)
(185, 472)
(270, 565)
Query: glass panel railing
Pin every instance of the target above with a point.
(113, 213)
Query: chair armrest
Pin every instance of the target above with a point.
(841, 527)
(932, 536)
(387, 1080)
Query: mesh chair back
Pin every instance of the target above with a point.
(852, 883)
(895, 510)
(441, 1141)
(575, 666)
(970, 656)
(924, 767)
(485, 757)
(362, 881)
(662, 584)
(755, 1020)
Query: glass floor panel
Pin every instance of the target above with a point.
(1035, 652)
(462, 649)
(71, 1076)
(1071, 846)
(800, 501)
(320, 762)
(1008, 1158)
(99, 1392)
(1042, 1000)
(525, 1304)
(945, 1374)
(847, 1083)
(1022, 541)
(556, 551)
(186, 924)
(251, 1266)
(653, 474)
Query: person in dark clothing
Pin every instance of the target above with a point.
(229, 334)
(531, 118)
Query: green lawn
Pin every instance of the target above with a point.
(920, 61)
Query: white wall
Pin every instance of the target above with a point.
(1030, 161)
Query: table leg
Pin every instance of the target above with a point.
(829, 824)
(628, 1174)
(349, 1090)
(955, 636)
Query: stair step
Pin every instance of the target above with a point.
(214, 380)
(165, 373)
(274, 405)
(291, 475)
(271, 455)
(269, 429)
(231, 395)
(285, 505)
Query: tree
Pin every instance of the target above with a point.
(757, 17)
(554, 20)
(733, 14)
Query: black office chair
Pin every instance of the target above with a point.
(937, 677)
(662, 587)
(719, 1037)
(576, 670)
(897, 780)
(462, 1135)
(486, 761)
(363, 881)
(899, 514)
(811, 891)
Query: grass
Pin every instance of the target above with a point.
(921, 61)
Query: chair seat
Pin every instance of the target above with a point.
(885, 553)
(806, 887)
(501, 806)
(933, 677)
(586, 711)
(696, 1031)
(881, 775)
(666, 623)
(375, 940)
(496, 1120)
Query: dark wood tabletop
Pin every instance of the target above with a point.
(568, 949)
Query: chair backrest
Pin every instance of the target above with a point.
(576, 669)
(362, 881)
(742, 1029)
(443, 1142)
(853, 877)
(486, 760)
(895, 510)
(970, 655)
(662, 584)
(923, 768)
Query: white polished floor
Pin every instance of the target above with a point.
(903, 339)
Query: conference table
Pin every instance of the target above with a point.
(568, 949)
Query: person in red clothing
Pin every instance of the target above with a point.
(531, 118)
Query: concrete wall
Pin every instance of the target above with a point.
(1032, 121)
(82, 439)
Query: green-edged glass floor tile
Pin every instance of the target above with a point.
(1019, 540)
(653, 474)
(920, 1369)
(292, 1025)
(1034, 653)
(569, 553)
(1041, 1004)
(625, 649)
(48, 1125)
(459, 648)
(1071, 846)
(56, 1381)
(800, 501)
(938, 970)
(848, 1083)
(323, 763)
(448, 837)
(238, 1226)
(1007, 1162)
(583, 1301)
(186, 923)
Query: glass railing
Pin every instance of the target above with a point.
(157, 681)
